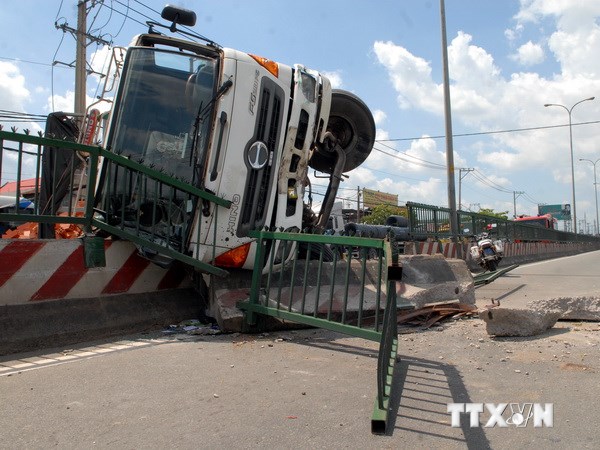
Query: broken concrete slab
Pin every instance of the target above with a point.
(306, 287)
(571, 308)
(433, 278)
(517, 322)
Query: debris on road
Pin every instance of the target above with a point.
(193, 327)
(518, 322)
(571, 308)
(429, 315)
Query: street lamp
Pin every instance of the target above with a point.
(570, 110)
(595, 190)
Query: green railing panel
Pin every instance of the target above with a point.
(340, 290)
(434, 222)
(149, 207)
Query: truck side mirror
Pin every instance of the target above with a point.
(178, 16)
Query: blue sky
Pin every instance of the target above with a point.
(506, 60)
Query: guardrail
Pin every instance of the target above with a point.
(138, 203)
(340, 283)
(434, 222)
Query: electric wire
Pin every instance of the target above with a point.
(122, 23)
(483, 133)
(26, 61)
(429, 163)
(106, 22)
(52, 70)
(420, 162)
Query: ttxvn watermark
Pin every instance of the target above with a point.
(504, 414)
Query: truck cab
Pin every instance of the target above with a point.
(234, 124)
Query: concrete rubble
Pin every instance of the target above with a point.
(432, 278)
(570, 308)
(517, 322)
(426, 279)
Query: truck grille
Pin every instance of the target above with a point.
(259, 183)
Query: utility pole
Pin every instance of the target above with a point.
(516, 194)
(358, 204)
(449, 146)
(595, 190)
(80, 59)
(82, 39)
(460, 177)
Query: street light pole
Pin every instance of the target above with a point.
(569, 111)
(595, 190)
(448, 126)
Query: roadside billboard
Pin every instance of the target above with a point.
(559, 212)
(373, 198)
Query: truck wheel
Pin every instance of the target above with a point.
(315, 251)
(352, 124)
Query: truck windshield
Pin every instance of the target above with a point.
(157, 109)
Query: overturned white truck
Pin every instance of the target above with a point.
(239, 126)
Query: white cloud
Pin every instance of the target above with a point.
(13, 93)
(577, 34)
(14, 96)
(482, 98)
(379, 117)
(486, 99)
(63, 103)
(410, 76)
(512, 34)
(335, 78)
(529, 54)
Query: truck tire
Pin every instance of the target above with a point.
(315, 251)
(352, 124)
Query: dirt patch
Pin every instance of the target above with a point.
(575, 367)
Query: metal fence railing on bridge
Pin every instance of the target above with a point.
(58, 179)
(434, 222)
(340, 283)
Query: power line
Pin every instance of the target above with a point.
(6, 58)
(419, 162)
(127, 16)
(481, 133)
(530, 199)
(483, 179)
(17, 116)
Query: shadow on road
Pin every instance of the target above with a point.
(420, 395)
(421, 391)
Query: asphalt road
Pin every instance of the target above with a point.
(571, 276)
(305, 389)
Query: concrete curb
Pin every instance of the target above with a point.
(44, 324)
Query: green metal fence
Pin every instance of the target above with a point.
(339, 283)
(434, 222)
(139, 204)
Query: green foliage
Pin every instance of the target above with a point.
(380, 213)
(491, 212)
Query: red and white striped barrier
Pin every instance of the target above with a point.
(38, 270)
(449, 250)
(512, 249)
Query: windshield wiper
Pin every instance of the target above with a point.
(202, 113)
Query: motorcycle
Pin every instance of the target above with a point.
(487, 253)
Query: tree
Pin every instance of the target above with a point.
(491, 212)
(380, 213)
